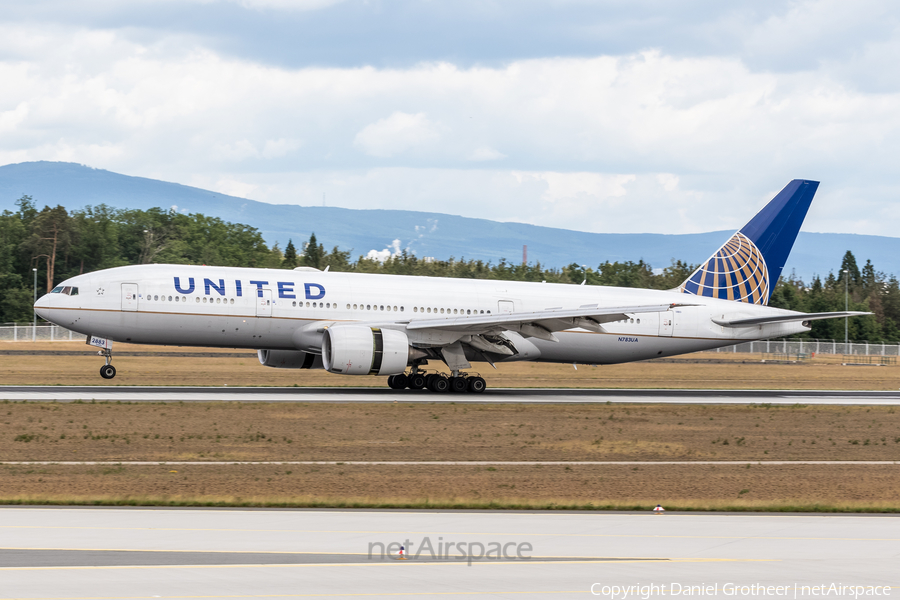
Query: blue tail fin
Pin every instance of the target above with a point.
(747, 267)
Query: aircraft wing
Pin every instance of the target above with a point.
(788, 318)
(540, 324)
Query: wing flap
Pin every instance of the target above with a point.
(587, 317)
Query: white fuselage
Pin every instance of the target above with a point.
(263, 309)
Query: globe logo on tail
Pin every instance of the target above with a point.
(736, 272)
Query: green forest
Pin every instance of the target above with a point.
(60, 244)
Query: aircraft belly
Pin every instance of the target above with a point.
(591, 348)
(185, 330)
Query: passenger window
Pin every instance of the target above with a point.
(204, 300)
(231, 301)
(155, 298)
(442, 311)
(170, 298)
(401, 309)
(198, 299)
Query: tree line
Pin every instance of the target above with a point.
(61, 244)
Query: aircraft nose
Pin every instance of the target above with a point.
(42, 306)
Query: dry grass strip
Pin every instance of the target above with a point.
(80, 365)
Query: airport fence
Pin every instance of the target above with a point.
(12, 332)
(795, 347)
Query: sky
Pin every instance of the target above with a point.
(604, 116)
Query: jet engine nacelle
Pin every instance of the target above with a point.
(361, 350)
(289, 359)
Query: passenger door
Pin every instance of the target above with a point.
(667, 323)
(129, 297)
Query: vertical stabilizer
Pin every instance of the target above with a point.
(747, 266)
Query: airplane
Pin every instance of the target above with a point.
(393, 325)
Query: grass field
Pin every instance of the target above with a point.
(420, 432)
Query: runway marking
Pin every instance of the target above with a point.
(432, 463)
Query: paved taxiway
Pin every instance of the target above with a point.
(504, 395)
(56, 553)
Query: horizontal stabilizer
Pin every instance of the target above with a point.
(788, 318)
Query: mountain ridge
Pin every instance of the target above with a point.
(437, 235)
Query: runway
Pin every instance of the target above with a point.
(491, 396)
(57, 553)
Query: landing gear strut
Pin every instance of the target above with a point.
(107, 371)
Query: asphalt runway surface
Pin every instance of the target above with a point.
(57, 553)
(491, 396)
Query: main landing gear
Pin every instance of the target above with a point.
(107, 371)
(458, 382)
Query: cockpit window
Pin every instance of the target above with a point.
(68, 290)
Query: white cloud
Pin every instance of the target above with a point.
(643, 141)
(383, 255)
(485, 153)
(668, 181)
(396, 134)
(244, 149)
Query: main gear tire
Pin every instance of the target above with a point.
(107, 371)
(476, 385)
(397, 382)
(415, 381)
(439, 384)
(458, 385)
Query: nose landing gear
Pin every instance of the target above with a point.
(107, 371)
